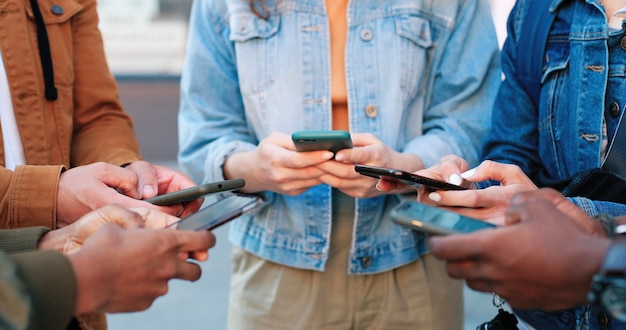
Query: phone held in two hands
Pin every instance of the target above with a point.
(435, 221)
(332, 140)
(406, 177)
(219, 213)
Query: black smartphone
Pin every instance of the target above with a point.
(192, 193)
(333, 140)
(406, 177)
(219, 213)
(434, 220)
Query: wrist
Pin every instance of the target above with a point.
(88, 285)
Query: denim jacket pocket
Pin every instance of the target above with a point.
(416, 38)
(257, 50)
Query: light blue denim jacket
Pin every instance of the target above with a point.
(421, 76)
(583, 75)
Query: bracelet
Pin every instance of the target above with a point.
(608, 222)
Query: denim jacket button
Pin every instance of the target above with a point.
(367, 35)
(371, 110)
(614, 110)
(366, 262)
(56, 9)
(623, 43)
(603, 320)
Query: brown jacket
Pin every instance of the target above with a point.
(85, 124)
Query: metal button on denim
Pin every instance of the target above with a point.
(366, 262)
(367, 35)
(56, 9)
(623, 43)
(614, 110)
(603, 320)
(371, 110)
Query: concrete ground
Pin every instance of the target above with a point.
(153, 103)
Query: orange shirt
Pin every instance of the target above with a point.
(337, 17)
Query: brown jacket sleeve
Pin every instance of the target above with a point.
(29, 196)
(103, 131)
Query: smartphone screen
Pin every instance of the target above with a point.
(219, 213)
(407, 178)
(332, 140)
(192, 193)
(434, 220)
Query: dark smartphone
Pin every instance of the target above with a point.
(406, 177)
(219, 213)
(434, 220)
(192, 193)
(333, 140)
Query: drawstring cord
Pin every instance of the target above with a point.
(44, 53)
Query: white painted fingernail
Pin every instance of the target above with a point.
(455, 179)
(435, 197)
(468, 174)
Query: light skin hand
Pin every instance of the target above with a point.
(544, 259)
(86, 188)
(485, 203)
(120, 270)
(275, 166)
(70, 238)
(368, 150)
(153, 180)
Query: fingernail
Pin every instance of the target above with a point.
(339, 157)
(147, 190)
(468, 174)
(435, 197)
(377, 186)
(329, 155)
(455, 179)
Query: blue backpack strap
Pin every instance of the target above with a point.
(531, 46)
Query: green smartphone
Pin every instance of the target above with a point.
(435, 221)
(332, 140)
(192, 193)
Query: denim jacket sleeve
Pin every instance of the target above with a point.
(466, 79)
(513, 138)
(209, 36)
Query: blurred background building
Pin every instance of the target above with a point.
(144, 37)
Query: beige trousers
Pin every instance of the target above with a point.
(265, 295)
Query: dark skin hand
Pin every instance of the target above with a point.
(544, 257)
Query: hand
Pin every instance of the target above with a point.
(155, 180)
(589, 225)
(367, 150)
(544, 259)
(86, 188)
(275, 166)
(120, 270)
(70, 238)
(487, 203)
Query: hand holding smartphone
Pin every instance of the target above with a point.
(434, 220)
(219, 213)
(332, 140)
(192, 193)
(408, 178)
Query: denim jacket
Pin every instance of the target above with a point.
(582, 81)
(421, 76)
